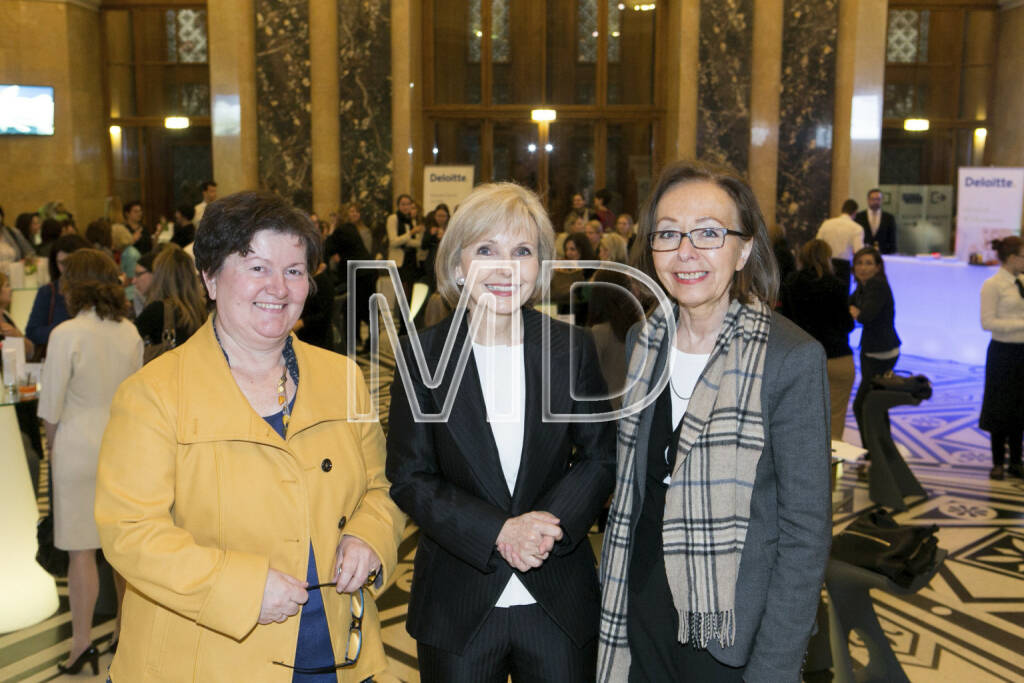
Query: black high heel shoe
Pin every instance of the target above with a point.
(90, 655)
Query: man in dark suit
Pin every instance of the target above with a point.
(879, 226)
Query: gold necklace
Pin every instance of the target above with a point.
(282, 397)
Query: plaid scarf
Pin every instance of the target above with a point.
(707, 506)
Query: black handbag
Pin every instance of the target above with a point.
(917, 386)
(51, 558)
(877, 542)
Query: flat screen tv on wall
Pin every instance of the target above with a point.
(26, 109)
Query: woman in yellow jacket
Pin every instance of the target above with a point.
(225, 496)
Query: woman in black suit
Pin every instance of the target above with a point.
(872, 305)
(504, 580)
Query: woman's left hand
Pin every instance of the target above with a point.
(854, 312)
(354, 563)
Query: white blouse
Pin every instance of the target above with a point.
(502, 371)
(686, 370)
(1002, 308)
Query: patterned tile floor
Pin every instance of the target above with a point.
(967, 625)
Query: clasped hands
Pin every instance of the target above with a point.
(526, 541)
(284, 595)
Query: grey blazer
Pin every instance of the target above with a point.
(790, 531)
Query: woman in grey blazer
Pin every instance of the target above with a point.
(720, 525)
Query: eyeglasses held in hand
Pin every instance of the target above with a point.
(700, 238)
(357, 605)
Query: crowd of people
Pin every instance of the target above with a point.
(255, 524)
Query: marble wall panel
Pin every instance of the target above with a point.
(806, 109)
(364, 72)
(723, 75)
(285, 147)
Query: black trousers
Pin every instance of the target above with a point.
(1000, 439)
(869, 367)
(522, 642)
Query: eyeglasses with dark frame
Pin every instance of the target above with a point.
(700, 238)
(357, 606)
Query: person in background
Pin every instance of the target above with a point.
(610, 314)
(504, 581)
(879, 226)
(816, 300)
(436, 223)
(845, 237)
(314, 325)
(250, 517)
(8, 328)
(578, 210)
(602, 210)
(141, 281)
(612, 247)
(405, 235)
(14, 245)
(351, 241)
(720, 526)
(141, 239)
(49, 308)
(873, 306)
(49, 233)
(89, 356)
(99, 236)
(184, 228)
(1002, 314)
(593, 230)
(576, 225)
(209, 190)
(175, 283)
(29, 225)
(624, 226)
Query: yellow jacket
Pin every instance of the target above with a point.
(197, 496)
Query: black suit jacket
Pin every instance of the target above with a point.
(447, 476)
(885, 238)
(877, 314)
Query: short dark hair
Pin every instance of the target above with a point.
(207, 184)
(229, 225)
(759, 278)
(873, 253)
(146, 260)
(66, 243)
(186, 210)
(92, 280)
(128, 207)
(1007, 247)
(24, 224)
(99, 232)
(49, 230)
(604, 195)
(850, 206)
(874, 190)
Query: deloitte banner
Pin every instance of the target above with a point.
(446, 185)
(989, 205)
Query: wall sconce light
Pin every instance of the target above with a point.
(980, 134)
(543, 114)
(176, 122)
(915, 125)
(115, 130)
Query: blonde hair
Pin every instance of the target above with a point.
(616, 245)
(176, 283)
(488, 209)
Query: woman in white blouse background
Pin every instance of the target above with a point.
(504, 581)
(1002, 314)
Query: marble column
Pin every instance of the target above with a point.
(724, 78)
(806, 109)
(859, 84)
(682, 37)
(406, 109)
(283, 99)
(323, 70)
(232, 35)
(764, 103)
(364, 90)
